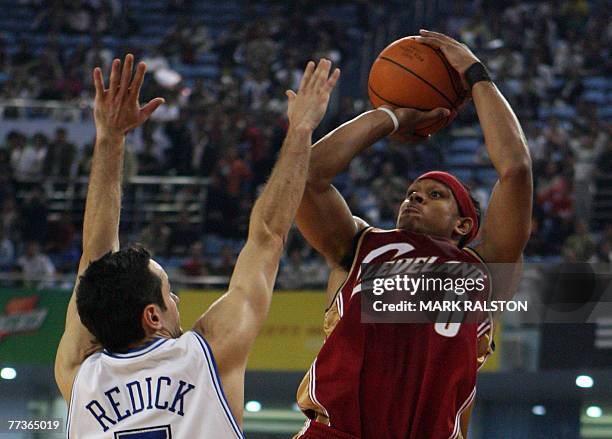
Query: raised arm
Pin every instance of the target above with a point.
(324, 218)
(231, 324)
(116, 111)
(507, 222)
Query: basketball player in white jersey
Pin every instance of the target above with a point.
(123, 363)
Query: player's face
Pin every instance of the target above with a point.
(170, 317)
(430, 208)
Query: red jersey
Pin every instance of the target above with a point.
(394, 380)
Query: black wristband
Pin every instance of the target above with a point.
(475, 73)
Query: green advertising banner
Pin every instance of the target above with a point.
(31, 324)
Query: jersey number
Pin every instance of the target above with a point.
(444, 327)
(161, 432)
(447, 329)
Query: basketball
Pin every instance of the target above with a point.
(411, 74)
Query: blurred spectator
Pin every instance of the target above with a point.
(604, 249)
(78, 18)
(224, 264)
(60, 156)
(256, 88)
(553, 194)
(84, 164)
(37, 268)
(536, 246)
(535, 141)
(585, 154)
(258, 49)
(9, 219)
(28, 159)
(155, 236)
(234, 171)
(555, 134)
(181, 147)
(389, 186)
(183, 235)
(295, 272)
(130, 162)
(23, 56)
(219, 207)
(33, 218)
(61, 234)
(148, 162)
(7, 251)
(604, 161)
(204, 154)
(195, 265)
(579, 247)
(98, 56)
(5, 162)
(574, 15)
(480, 192)
(70, 85)
(572, 87)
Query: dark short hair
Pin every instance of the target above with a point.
(112, 294)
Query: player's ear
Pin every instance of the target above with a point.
(463, 226)
(151, 318)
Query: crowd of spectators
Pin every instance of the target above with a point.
(229, 127)
(540, 54)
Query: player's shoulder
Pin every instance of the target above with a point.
(191, 341)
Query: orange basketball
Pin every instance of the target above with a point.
(410, 74)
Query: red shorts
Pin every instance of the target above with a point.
(316, 430)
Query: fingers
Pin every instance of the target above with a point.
(98, 81)
(138, 80)
(290, 95)
(432, 42)
(322, 73)
(126, 76)
(114, 77)
(308, 71)
(331, 82)
(438, 113)
(432, 34)
(148, 109)
(319, 77)
(410, 117)
(435, 114)
(119, 86)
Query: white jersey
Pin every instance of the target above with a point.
(166, 389)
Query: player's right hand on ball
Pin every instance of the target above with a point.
(409, 118)
(458, 55)
(116, 108)
(307, 107)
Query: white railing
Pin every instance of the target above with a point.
(63, 111)
(68, 195)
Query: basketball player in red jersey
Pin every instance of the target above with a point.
(410, 381)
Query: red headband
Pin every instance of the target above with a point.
(466, 206)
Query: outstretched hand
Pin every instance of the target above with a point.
(116, 108)
(308, 106)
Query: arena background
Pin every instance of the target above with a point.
(193, 171)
